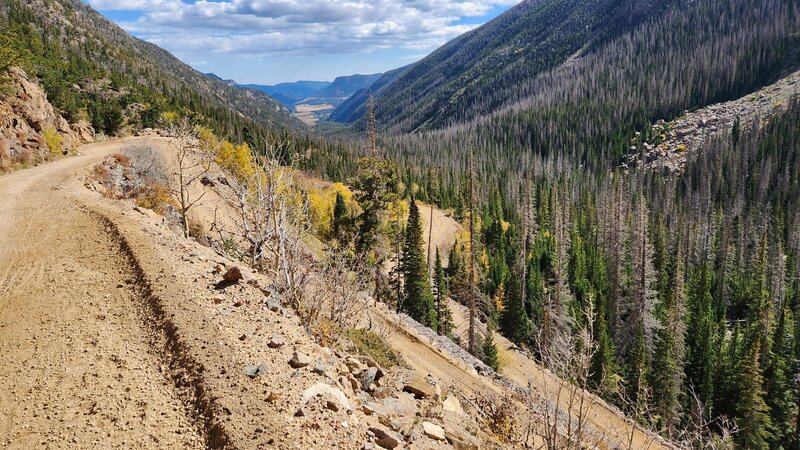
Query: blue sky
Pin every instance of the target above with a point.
(271, 41)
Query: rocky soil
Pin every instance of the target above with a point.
(687, 134)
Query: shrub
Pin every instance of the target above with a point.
(156, 196)
(122, 160)
(53, 141)
(498, 414)
(372, 345)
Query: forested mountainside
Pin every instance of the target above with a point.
(675, 55)
(86, 62)
(482, 70)
(689, 280)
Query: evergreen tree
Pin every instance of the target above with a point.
(603, 370)
(700, 327)
(445, 322)
(376, 183)
(490, 357)
(418, 301)
(638, 361)
(752, 412)
(340, 217)
(779, 395)
(667, 373)
(514, 322)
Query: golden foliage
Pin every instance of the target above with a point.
(499, 413)
(500, 298)
(397, 211)
(155, 196)
(53, 141)
(321, 203)
(169, 117)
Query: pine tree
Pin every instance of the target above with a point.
(473, 287)
(340, 217)
(638, 361)
(752, 412)
(418, 301)
(490, 357)
(779, 395)
(514, 322)
(667, 373)
(700, 326)
(603, 369)
(445, 322)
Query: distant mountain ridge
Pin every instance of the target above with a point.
(341, 89)
(353, 108)
(291, 92)
(500, 57)
(307, 92)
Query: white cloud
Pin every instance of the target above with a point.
(298, 27)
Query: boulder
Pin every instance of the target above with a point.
(319, 367)
(253, 371)
(384, 438)
(451, 404)
(299, 360)
(355, 366)
(274, 303)
(275, 341)
(324, 390)
(419, 387)
(433, 431)
(233, 275)
(368, 377)
(457, 433)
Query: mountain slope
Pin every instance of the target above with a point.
(454, 81)
(92, 45)
(519, 55)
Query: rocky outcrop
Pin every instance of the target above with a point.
(26, 116)
(673, 142)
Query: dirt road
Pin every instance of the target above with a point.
(76, 367)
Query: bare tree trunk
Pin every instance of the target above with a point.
(430, 239)
(472, 288)
(372, 130)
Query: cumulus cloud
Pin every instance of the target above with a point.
(298, 27)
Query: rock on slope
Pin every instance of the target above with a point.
(26, 115)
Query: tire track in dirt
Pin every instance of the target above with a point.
(165, 339)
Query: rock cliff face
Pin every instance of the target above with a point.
(26, 116)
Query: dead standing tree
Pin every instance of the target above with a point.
(473, 290)
(566, 414)
(270, 218)
(191, 166)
